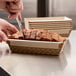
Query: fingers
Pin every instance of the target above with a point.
(3, 37)
(5, 31)
(6, 26)
(12, 29)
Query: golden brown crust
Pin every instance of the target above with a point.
(38, 34)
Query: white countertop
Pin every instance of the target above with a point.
(31, 65)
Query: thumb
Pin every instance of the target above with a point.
(3, 37)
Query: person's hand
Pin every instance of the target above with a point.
(13, 7)
(5, 29)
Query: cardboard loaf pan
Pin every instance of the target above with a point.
(60, 25)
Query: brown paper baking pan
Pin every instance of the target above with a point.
(60, 25)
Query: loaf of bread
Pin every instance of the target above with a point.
(38, 34)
